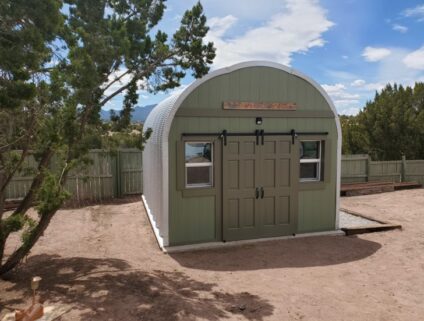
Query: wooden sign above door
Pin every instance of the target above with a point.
(244, 105)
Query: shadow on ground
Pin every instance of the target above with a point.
(295, 253)
(109, 289)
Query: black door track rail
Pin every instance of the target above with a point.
(260, 134)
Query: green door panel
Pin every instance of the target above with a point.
(279, 179)
(240, 178)
(260, 187)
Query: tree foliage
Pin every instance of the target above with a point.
(70, 59)
(354, 140)
(25, 28)
(390, 126)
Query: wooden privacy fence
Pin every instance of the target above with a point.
(118, 174)
(360, 168)
(111, 175)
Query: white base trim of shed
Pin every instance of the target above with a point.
(217, 245)
(156, 231)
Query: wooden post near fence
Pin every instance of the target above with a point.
(403, 169)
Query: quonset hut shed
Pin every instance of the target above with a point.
(250, 151)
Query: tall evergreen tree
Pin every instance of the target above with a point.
(27, 32)
(105, 48)
(354, 139)
(389, 126)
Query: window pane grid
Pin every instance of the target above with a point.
(198, 164)
(310, 160)
(199, 179)
(310, 167)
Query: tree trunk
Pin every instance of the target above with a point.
(22, 209)
(24, 249)
(42, 225)
(5, 180)
(2, 246)
(1, 197)
(2, 240)
(36, 183)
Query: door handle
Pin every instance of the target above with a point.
(257, 193)
(262, 192)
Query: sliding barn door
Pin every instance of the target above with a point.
(260, 187)
(241, 170)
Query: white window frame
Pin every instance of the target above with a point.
(203, 164)
(313, 160)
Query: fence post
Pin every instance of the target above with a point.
(2, 195)
(403, 169)
(368, 170)
(116, 174)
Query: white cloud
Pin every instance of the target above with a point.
(331, 89)
(123, 81)
(415, 59)
(362, 85)
(373, 54)
(416, 12)
(218, 26)
(349, 98)
(282, 35)
(338, 92)
(358, 83)
(346, 102)
(399, 28)
(375, 86)
(341, 75)
(246, 9)
(393, 68)
(142, 84)
(350, 111)
(350, 92)
(177, 90)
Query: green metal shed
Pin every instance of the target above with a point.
(250, 151)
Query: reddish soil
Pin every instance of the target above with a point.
(102, 263)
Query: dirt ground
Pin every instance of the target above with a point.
(102, 263)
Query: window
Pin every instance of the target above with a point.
(310, 161)
(198, 164)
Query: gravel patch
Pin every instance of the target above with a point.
(348, 221)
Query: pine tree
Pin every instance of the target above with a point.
(105, 48)
(389, 126)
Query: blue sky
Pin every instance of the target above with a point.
(351, 47)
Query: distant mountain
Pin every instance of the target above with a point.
(139, 113)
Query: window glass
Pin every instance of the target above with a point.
(199, 175)
(310, 160)
(198, 152)
(198, 164)
(309, 150)
(308, 170)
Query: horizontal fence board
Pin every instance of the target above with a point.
(415, 171)
(354, 168)
(359, 168)
(96, 182)
(120, 173)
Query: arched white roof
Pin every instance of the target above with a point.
(155, 156)
(160, 118)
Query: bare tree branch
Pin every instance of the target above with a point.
(116, 80)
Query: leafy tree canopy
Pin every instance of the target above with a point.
(389, 126)
(60, 62)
